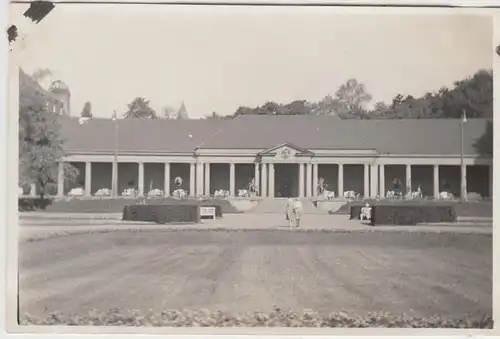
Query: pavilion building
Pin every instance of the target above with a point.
(285, 155)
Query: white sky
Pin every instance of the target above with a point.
(217, 58)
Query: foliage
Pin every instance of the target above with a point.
(474, 95)
(321, 185)
(162, 214)
(351, 99)
(87, 110)
(140, 108)
(40, 146)
(169, 113)
(31, 204)
(277, 317)
(326, 106)
(484, 144)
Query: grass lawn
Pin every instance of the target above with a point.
(448, 275)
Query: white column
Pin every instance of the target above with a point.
(207, 179)
(192, 179)
(301, 180)
(271, 181)
(435, 182)
(408, 178)
(340, 180)
(33, 190)
(88, 178)
(381, 184)
(263, 187)
(366, 180)
(373, 180)
(232, 178)
(166, 180)
(141, 179)
(114, 179)
(490, 182)
(199, 179)
(60, 179)
(315, 180)
(256, 176)
(309, 189)
(463, 181)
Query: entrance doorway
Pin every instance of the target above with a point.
(286, 180)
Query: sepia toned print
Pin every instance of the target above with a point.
(228, 166)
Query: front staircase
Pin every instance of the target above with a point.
(278, 205)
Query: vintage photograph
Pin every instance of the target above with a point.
(254, 166)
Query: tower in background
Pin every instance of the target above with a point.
(182, 113)
(61, 92)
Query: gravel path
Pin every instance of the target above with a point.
(421, 274)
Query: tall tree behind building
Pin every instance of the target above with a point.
(351, 99)
(87, 110)
(140, 108)
(40, 144)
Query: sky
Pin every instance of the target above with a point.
(217, 58)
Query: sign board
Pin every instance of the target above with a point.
(207, 212)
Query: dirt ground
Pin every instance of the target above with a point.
(420, 274)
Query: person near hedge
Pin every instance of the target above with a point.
(366, 212)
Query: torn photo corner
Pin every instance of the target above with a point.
(39, 10)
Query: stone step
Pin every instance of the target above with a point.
(474, 219)
(278, 205)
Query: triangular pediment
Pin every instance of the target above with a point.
(285, 150)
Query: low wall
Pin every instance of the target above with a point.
(243, 204)
(330, 205)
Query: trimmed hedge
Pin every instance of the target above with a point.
(32, 203)
(408, 214)
(116, 205)
(162, 214)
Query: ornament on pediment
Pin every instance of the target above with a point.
(286, 152)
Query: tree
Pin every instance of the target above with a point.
(169, 113)
(326, 106)
(473, 95)
(352, 98)
(297, 107)
(270, 108)
(243, 110)
(484, 144)
(140, 108)
(87, 110)
(40, 146)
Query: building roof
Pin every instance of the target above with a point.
(137, 135)
(396, 137)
